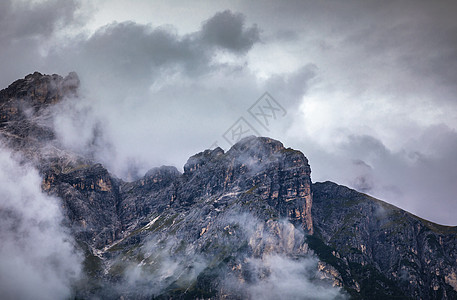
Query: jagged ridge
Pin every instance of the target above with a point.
(368, 247)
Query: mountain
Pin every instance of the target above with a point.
(246, 223)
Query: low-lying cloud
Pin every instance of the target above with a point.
(38, 258)
(275, 264)
(157, 94)
(288, 279)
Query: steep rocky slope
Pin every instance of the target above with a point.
(253, 201)
(246, 223)
(24, 108)
(389, 252)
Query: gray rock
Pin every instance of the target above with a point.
(212, 231)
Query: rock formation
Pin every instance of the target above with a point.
(204, 233)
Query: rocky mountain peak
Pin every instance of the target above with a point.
(163, 171)
(232, 210)
(24, 100)
(258, 145)
(260, 167)
(198, 160)
(37, 89)
(26, 115)
(252, 154)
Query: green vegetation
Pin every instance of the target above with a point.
(290, 150)
(251, 190)
(437, 228)
(440, 229)
(373, 284)
(325, 254)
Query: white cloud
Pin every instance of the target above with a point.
(163, 92)
(288, 279)
(38, 259)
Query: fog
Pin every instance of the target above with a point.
(366, 90)
(369, 88)
(275, 265)
(38, 257)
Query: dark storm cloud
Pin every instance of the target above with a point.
(227, 30)
(417, 37)
(137, 51)
(26, 28)
(387, 76)
(148, 83)
(118, 50)
(141, 53)
(383, 72)
(27, 19)
(400, 48)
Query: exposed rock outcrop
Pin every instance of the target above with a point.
(218, 227)
(388, 251)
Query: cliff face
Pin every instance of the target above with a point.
(23, 103)
(251, 202)
(388, 251)
(26, 116)
(232, 225)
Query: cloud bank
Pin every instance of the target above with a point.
(38, 259)
(274, 264)
(369, 88)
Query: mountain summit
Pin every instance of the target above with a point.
(246, 223)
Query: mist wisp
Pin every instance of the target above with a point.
(38, 257)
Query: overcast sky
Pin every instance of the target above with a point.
(367, 90)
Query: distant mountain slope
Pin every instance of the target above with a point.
(246, 223)
(390, 252)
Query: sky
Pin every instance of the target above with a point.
(365, 89)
